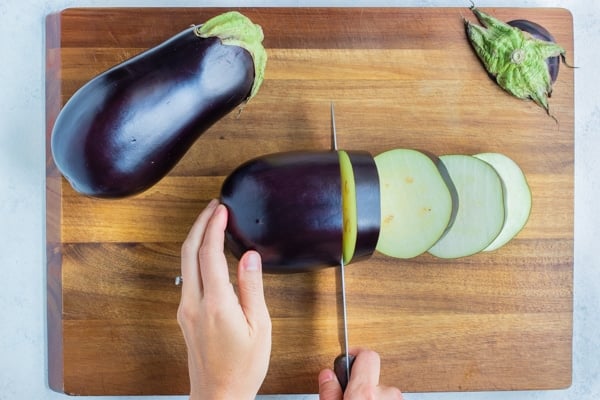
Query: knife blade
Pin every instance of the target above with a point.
(333, 132)
(343, 363)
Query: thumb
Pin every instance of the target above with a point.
(250, 283)
(329, 387)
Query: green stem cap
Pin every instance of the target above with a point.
(517, 60)
(235, 29)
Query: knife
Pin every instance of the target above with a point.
(342, 364)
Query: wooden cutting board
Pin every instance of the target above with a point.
(400, 78)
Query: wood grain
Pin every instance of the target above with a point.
(399, 77)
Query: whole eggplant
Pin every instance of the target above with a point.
(125, 129)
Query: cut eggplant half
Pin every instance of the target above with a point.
(480, 213)
(303, 210)
(416, 204)
(288, 207)
(517, 197)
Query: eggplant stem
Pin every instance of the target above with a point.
(235, 29)
(563, 58)
(517, 56)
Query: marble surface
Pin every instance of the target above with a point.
(23, 355)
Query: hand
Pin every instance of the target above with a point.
(228, 339)
(363, 383)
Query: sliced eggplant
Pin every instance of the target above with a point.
(416, 204)
(306, 210)
(517, 197)
(480, 213)
(368, 203)
(349, 212)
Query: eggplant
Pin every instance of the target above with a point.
(416, 202)
(517, 197)
(288, 207)
(306, 210)
(541, 33)
(481, 207)
(368, 200)
(515, 59)
(124, 130)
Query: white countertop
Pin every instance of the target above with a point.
(23, 352)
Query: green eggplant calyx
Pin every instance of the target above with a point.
(516, 59)
(235, 29)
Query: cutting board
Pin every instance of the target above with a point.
(400, 78)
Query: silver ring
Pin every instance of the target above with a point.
(178, 280)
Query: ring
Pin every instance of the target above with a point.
(178, 280)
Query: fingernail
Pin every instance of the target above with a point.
(213, 203)
(252, 261)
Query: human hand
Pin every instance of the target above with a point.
(363, 383)
(228, 338)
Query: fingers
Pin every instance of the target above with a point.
(329, 387)
(251, 293)
(213, 264)
(365, 370)
(192, 283)
(390, 393)
(364, 381)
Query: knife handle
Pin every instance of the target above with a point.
(339, 367)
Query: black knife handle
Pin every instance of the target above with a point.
(339, 367)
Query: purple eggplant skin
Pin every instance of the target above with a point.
(368, 203)
(288, 207)
(541, 33)
(126, 128)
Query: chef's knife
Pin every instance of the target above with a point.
(342, 364)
